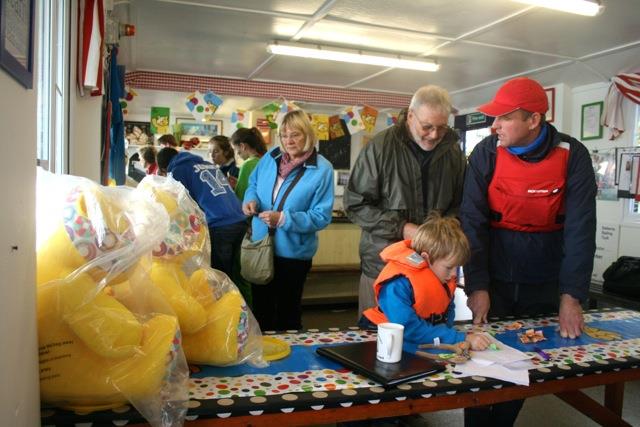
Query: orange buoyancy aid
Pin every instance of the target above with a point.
(528, 196)
(432, 297)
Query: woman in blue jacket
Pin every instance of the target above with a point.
(307, 209)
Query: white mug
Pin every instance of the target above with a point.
(389, 348)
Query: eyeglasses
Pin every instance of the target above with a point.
(292, 135)
(428, 127)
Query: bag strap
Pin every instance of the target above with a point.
(286, 193)
(272, 231)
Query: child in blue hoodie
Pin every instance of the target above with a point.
(208, 186)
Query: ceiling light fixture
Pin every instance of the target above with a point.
(344, 55)
(580, 7)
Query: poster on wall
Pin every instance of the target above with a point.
(160, 120)
(138, 133)
(607, 236)
(369, 117)
(338, 151)
(320, 123)
(604, 166)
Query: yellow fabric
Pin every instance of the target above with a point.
(73, 374)
(217, 343)
(105, 325)
(172, 281)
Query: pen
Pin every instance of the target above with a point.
(545, 356)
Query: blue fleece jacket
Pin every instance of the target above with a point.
(306, 210)
(208, 186)
(396, 302)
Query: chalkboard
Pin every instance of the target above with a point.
(338, 151)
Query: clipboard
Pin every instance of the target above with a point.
(361, 358)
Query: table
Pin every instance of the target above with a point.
(306, 389)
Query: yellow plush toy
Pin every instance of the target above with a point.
(218, 327)
(106, 335)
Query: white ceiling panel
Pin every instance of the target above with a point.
(462, 66)
(568, 34)
(315, 71)
(478, 43)
(366, 38)
(208, 40)
(449, 18)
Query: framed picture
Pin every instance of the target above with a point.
(138, 133)
(203, 130)
(590, 127)
(551, 97)
(16, 39)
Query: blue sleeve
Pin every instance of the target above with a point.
(579, 225)
(396, 302)
(318, 216)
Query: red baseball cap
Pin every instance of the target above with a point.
(519, 93)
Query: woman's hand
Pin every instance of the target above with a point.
(250, 208)
(478, 341)
(270, 218)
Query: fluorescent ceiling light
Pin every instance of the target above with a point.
(343, 55)
(580, 7)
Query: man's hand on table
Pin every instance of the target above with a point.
(571, 320)
(479, 303)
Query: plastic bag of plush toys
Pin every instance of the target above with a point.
(107, 335)
(125, 292)
(217, 326)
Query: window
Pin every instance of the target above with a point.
(53, 85)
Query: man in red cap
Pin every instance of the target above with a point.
(529, 211)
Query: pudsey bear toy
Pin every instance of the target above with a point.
(106, 335)
(218, 328)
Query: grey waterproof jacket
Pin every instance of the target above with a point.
(385, 189)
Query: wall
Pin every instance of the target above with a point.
(84, 135)
(19, 386)
(618, 234)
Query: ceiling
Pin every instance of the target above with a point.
(478, 43)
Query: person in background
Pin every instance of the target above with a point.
(221, 154)
(416, 287)
(208, 186)
(405, 172)
(529, 211)
(148, 155)
(167, 140)
(307, 209)
(249, 145)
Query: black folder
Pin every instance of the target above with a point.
(361, 358)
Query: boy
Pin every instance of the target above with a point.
(417, 285)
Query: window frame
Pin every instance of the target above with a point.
(54, 43)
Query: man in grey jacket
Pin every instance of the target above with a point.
(404, 172)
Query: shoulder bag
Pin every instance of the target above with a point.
(256, 258)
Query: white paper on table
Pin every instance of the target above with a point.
(500, 372)
(503, 356)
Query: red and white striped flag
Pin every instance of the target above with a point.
(90, 46)
(623, 85)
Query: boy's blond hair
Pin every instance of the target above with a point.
(441, 237)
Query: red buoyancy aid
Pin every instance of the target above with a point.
(432, 297)
(528, 196)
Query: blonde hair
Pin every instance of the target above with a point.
(298, 120)
(442, 237)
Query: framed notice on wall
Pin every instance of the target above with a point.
(16, 39)
(590, 127)
(551, 98)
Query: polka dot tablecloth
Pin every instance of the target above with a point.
(305, 381)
